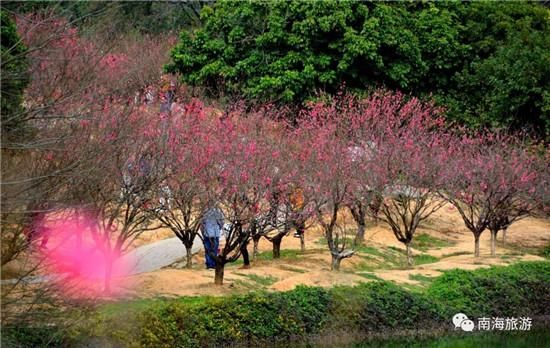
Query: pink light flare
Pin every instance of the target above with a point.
(77, 254)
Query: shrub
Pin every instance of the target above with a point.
(31, 337)
(523, 288)
(253, 317)
(361, 311)
(385, 306)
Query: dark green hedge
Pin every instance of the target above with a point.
(367, 310)
(521, 289)
(220, 321)
(24, 337)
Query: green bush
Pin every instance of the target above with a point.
(366, 310)
(522, 288)
(378, 306)
(254, 317)
(23, 337)
(385, 306)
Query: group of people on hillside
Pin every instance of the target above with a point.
(166, 94)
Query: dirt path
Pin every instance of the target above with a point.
(313, 267)
(154, 256)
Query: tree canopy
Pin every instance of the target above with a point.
(487, 62)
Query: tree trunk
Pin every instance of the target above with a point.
(108, 275)
(218, 277)
(300, 226)
(335, 265)
(504, 235)
(494, 242)
(277, 246)
(360, 237)
(476, 250)
(410, 261)
(255, 250)
(189, 257)
(244, 253)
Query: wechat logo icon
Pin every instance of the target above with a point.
(460, 320)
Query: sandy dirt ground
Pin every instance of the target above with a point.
(313, 266)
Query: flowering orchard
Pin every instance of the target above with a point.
(148, 169)
(387, 148)
(493, 181)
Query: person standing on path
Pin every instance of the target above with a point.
(211, 225)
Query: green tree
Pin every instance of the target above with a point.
(286, 51)
(487, 62)
(505, 80)
(14, 76)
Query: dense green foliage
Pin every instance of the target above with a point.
(520, 289)
(221, 321)
(514, 339)
(370, 308)
(505, 80)
(32, 337)
(488, 62)
(14, 76)
(376, 307)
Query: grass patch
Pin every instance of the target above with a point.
(133, 306)
(263, 281)
(292, 254)
(457, 253)
(523, 250)
(388, 258)
(292, 269)
(509, 257)
(350, 242)
(139, 305)
(422, 279)
(401, 251)
(545, 252)
(240, 284)
(425, 242)
(368, 275)
(424, 259)
(370, 250)
(287, 254)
